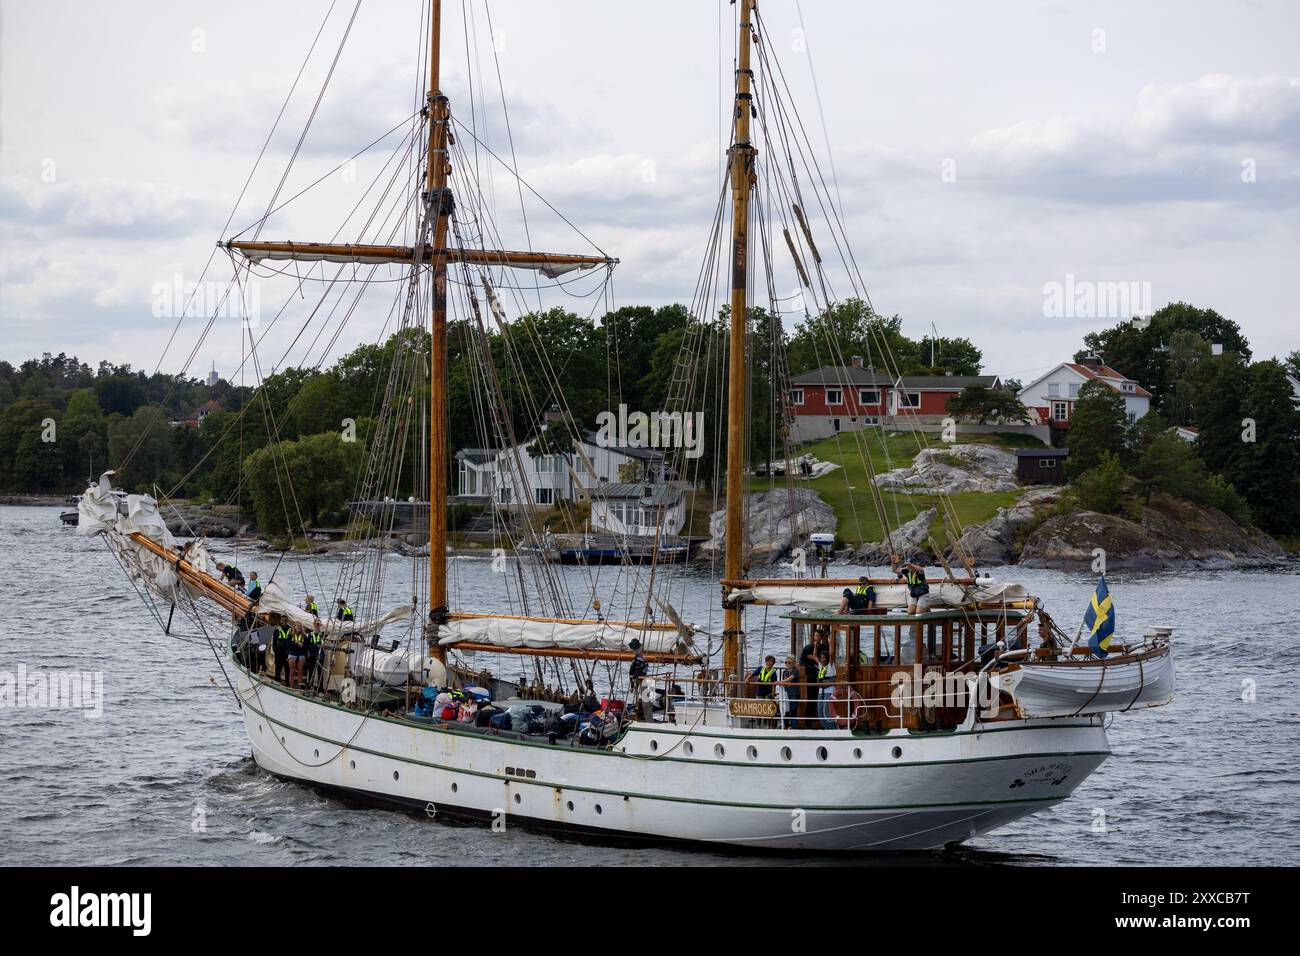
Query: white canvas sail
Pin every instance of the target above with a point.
(508, 632)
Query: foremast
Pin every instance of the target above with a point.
(742, 156)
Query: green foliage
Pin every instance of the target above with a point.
(146, 439)
(987, 404)
(30, 461)
(1097, 427)
(295, 484)
(1101, 488)
(1150, 355)
(851, 328)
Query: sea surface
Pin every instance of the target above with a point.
(164, 775)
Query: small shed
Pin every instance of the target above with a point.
(1044, 466)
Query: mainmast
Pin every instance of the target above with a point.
(742, 155)
(438, 203)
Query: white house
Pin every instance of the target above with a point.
(1052, 396)
(636, 508)
(511, 477)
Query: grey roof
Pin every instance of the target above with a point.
(631, 451)
(948, 381)
(478, 455)
(660, 493)
(1042, 452)
(842, 375)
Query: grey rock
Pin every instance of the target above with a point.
(951, 469)
(776, 521)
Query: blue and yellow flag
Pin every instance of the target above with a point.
(1100, 620)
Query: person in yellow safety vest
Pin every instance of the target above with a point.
(280, 646)
(297, 654)
(918, 589)
(344, 613)
(310, 606)
(764, 677)
(315, 639)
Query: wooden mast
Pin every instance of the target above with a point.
(742, 155)
(438, 202)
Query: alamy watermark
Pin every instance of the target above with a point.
(626, 429)
(61, 690)
(1085, 299)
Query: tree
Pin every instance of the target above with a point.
(1101, 488)
(1142, 351)
(83, 436)
(32, 461)
(1170, 465)
(958, 356)
(321, 470)
(142, 447)
(1268, 469)
(1097, 426)
(985, 404)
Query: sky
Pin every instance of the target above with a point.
(986, 156)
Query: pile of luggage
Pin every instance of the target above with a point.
(590, 722)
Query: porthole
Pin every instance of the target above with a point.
(719, 751)
(654, 744)
(454, 788)
(598, 808)
(857, 753)
(569, 805)
(821, 753)
(518, 798)
(394, 774)
(752, 753)
(352, 765)
(786, 754)
(898, 752)
(689, 748)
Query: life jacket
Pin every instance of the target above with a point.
(821, 671)
(766, 676)
(297, 637)
(311, 607)
(345, 613)
(314, 638)
(916, 583)
(282, 633)
(865, 589)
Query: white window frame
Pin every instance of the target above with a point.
(796, 396)
(1074, 389)
(839, 396)
(1047, 463)
(864, 392)
(905, 399)
(1053, 389)
(544, 496)
(1064, 408)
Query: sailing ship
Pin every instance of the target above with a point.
(937, 726)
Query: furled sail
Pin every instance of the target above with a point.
(138, 532)
(548, 264)
(541, 633)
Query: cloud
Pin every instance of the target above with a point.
(103, 208)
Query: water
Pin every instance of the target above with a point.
(165, 776)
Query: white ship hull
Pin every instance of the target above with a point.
(770, 790)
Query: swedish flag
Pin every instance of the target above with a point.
(1100, 620)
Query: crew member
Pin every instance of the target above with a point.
(297, 654)
(636, 672)
(764, 677)
(310, 606)
(280, 648)
(918, 589)
(315, 640)
(344, 612)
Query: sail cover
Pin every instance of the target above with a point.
(887, 595)
(509, 632)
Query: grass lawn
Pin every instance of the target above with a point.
(846, 488)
